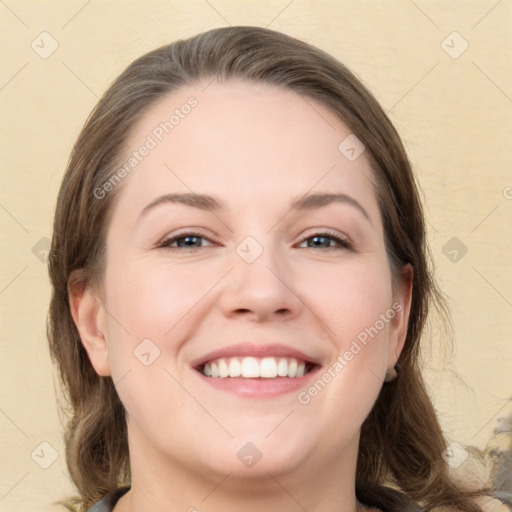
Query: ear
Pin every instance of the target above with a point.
(402, 306)
(89, 317)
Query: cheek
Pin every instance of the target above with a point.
(145, 306)
(352, 304)
(151, 309)
(349, 298)
(149, 300)
(355, 306)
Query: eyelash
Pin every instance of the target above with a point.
(343, 242)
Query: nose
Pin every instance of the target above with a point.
(261, 290)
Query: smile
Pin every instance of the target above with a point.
(253, 368)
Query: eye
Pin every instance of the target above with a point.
(185, 241)
(323, 241)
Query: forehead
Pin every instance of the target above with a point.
(240, 140)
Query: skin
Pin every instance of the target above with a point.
(255, 148)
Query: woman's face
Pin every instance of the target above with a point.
(280, 270)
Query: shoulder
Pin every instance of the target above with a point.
(107, 503)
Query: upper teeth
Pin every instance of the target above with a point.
(251, 367)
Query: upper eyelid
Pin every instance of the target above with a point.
(185, 234)
(308, 234)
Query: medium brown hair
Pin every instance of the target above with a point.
(401, 440)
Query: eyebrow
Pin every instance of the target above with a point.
(207, 202)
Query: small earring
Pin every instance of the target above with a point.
(391, 375)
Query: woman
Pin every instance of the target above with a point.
(240, 283)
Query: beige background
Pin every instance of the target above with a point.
(454, 115)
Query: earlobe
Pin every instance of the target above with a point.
(89, 317)
(402, 306)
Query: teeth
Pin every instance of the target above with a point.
(268, 368)
(235, 367)
(252, 367)
(292, 368)
(282, 367)
(223, 369)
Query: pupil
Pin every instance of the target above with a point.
(188, 239)
(317, 241)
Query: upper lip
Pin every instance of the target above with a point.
(253, 350)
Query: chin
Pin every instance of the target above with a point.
(253, 453)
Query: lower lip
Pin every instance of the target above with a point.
(258, 387)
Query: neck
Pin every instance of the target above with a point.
(319, 483)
